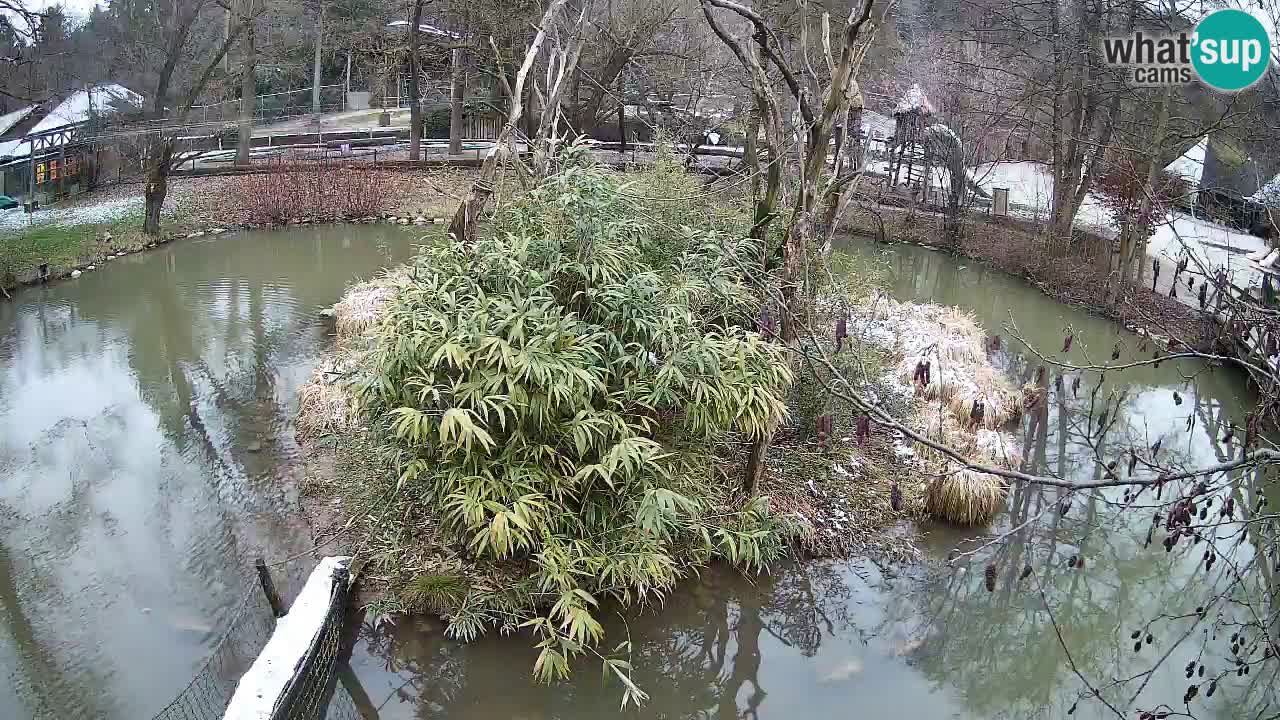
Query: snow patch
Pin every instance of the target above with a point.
(104, 212)
(8, 120)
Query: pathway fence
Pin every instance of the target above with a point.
(273, 106)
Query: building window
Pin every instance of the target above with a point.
(39, 173)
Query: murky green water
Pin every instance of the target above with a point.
(846, 640)
(145, 433)
(146, 448)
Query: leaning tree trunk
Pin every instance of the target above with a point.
(466, 218)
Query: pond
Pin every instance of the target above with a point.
(839, 639)
(145, 433)
(146, 451)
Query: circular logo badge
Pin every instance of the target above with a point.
(1231, 50)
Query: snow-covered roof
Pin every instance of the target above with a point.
(76, 108)
(424, 27)
(1190, 165)
(80, 105)
(8, 120)
(914, 101)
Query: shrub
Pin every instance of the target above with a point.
(556, 393)
(326, 192)
(1123, 187)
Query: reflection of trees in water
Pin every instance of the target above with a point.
(201, 330)
(699, 657)
(44, 683)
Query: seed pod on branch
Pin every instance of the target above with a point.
(990, 577)
(1075, 386)
(1133, 461)
(977, 413)
(842, 330)
(1026, 572)
(1066, 342)
(1177, 399)
(1115, 352)
(895, 497)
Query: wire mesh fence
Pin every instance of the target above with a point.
(306, 697)
(312, 693)
(206, 697)
(274, 106)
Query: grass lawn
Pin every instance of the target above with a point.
(64, 247)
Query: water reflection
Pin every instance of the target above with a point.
(827, 640)
(144, 437)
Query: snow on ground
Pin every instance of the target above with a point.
(1209, 246)
(103, 212)
(1031, 192)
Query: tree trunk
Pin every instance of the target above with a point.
(756, 464)
(457, 90)
(1142, 228)
(794, 260)
(157, 185)
(415, 104)
(248, 88)
(315, 78)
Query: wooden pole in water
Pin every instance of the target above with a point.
(269, 587)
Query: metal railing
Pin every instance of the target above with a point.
(273, 106)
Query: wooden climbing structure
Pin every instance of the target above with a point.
(907, 161)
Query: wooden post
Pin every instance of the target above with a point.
(269, 587)
(622, 124)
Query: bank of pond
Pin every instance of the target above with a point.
(148, 446)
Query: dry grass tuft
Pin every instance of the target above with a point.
(326, 404)
(961, 375)
(964, 497)
(360, 309)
